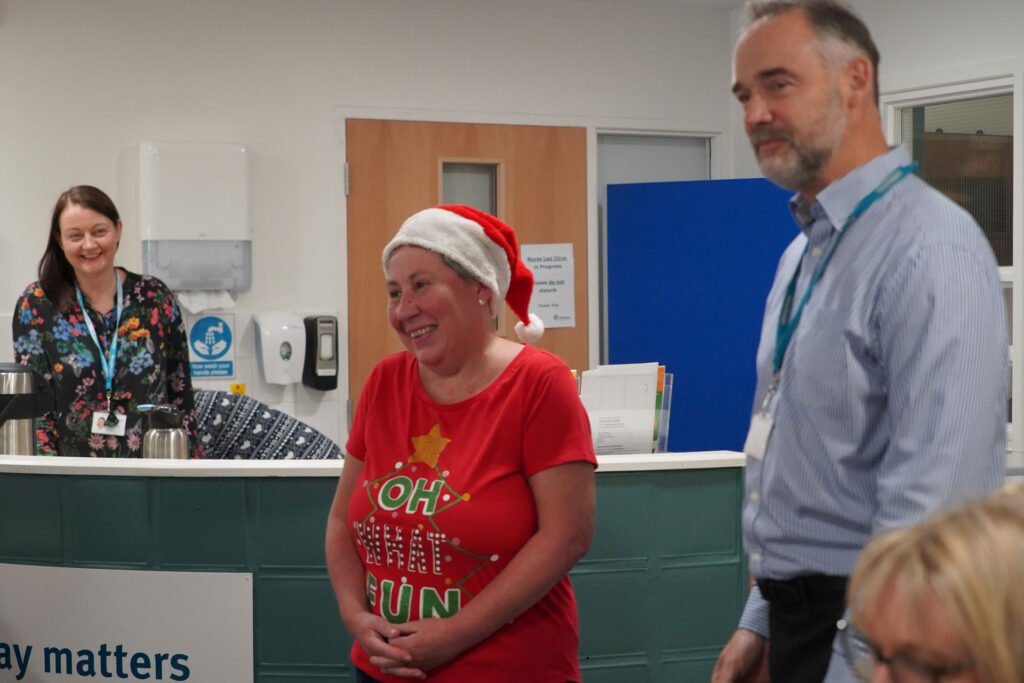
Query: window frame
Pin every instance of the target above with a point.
(977, 82)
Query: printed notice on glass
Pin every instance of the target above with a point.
(553, 298)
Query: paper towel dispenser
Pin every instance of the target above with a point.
(194, 215)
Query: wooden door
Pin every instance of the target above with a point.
(395, 171)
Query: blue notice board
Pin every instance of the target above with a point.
(689, 268)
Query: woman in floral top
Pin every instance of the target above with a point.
(86, 325)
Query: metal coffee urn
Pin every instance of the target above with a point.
(165, 438)
(24, 396)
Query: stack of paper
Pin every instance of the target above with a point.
(625, 407)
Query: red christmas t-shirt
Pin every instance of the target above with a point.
(443, 504)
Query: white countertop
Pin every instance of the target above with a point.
(134, 467)
(695, 460)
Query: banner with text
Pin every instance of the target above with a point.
(69, 624)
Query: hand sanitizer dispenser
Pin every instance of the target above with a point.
(280, 346)
(321, 369)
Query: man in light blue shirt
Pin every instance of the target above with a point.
(882, 366)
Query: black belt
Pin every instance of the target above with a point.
(801, 589)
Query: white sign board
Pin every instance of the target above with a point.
(553, 298)
(69, 624)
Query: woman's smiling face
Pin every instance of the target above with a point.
(89, 240)
(434, 311)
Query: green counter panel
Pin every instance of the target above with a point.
(659, 593)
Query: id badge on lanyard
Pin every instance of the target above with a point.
(102, 424)
(106, 421)
(761, 425)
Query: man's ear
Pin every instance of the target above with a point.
(859, 81)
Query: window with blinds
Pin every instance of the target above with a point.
(965, 149)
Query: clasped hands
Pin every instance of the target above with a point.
(411, 649)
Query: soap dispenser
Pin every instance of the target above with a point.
(280, 346)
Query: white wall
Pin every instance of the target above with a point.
(934, 35)
(921, 42)
(85, 82)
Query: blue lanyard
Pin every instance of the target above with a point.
(106, 364)
(787, 324)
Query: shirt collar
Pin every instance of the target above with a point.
(837, 201)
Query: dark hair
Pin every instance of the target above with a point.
(56, 276)
(829, 19)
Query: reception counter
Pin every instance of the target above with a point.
(659, 592)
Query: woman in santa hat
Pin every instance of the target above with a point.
(468, 490)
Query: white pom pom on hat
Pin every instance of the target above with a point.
(483, 245)
(531, 332)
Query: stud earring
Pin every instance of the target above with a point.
(481, 302)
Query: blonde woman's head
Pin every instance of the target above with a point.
(949, 592)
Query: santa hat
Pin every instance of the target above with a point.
(483, 245)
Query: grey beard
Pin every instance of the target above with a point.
(805, 168)
(800, 174)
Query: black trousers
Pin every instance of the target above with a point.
(363, 677)
(802, 615)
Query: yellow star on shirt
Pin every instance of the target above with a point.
(429, 446)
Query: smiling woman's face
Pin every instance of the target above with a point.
(434, 311)
(89, 240)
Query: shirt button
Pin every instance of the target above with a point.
(755, 557)
(754, 496)
(816, 252)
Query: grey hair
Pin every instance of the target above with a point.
(832, 20)
(459, 269)
(456, 267)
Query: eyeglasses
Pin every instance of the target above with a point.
(863, 656)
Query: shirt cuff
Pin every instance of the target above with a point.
(755, 613)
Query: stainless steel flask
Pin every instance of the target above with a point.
(165, 438)
(24, 396)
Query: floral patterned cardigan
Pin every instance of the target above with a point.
(151, 367)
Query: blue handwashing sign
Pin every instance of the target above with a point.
(210, 345)
(210, 338)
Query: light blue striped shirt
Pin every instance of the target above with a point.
(893, 392)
